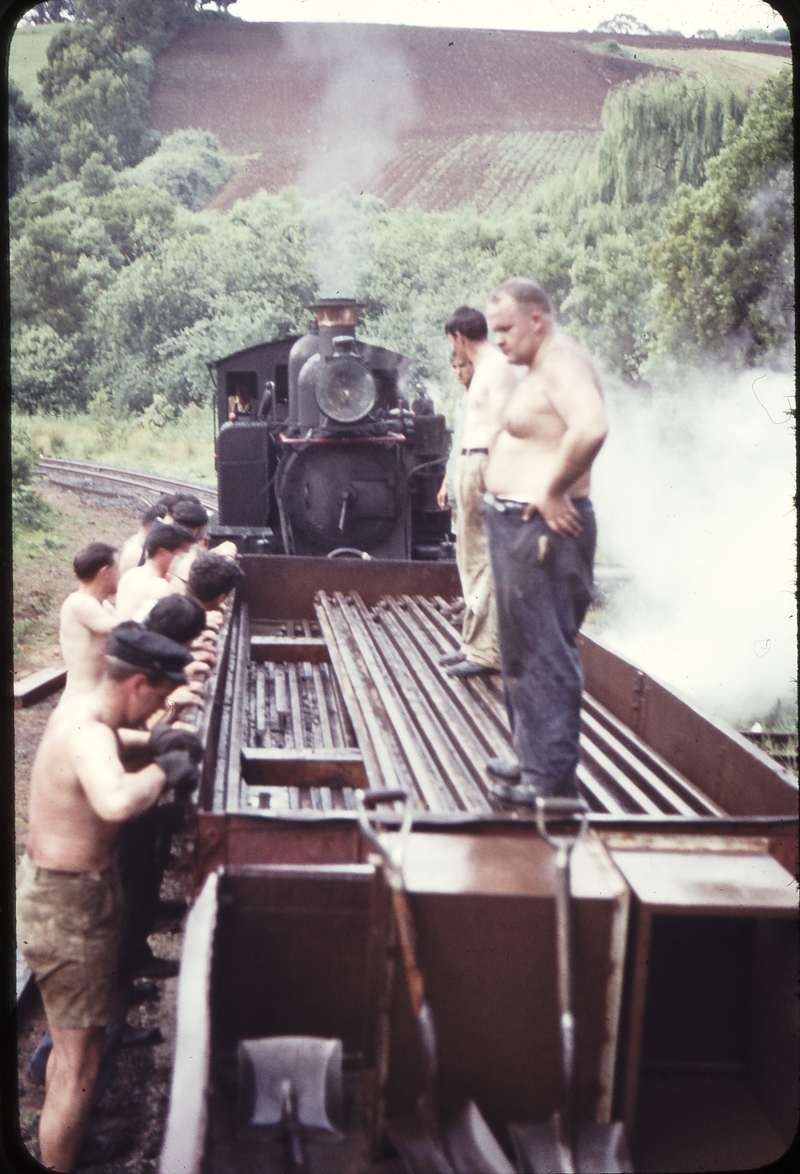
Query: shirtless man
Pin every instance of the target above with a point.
(489, 389)
(131, 553)
(87, 617)
(69, 907)
(150, 582)
(542, 537)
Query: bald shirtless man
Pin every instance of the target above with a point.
(542, 536)
(491, 384)
(69, 904)
(149, 582)
(87, 617)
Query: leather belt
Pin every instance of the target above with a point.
(467, 452)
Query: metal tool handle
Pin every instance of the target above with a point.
(392, 858)
(561, 810)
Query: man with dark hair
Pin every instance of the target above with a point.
(489, 389)
(190, 514)
(179, 617)
(542, 537)
(212, 577)
(87, 617)
(131, 553)
(144, 584)
(69, 905)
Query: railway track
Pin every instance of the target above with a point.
(110, 481)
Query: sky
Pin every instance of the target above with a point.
(687, 16)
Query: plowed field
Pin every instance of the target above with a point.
(429, 117)
(378, 107)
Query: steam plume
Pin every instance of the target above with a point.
(694, 496)
(367, 102)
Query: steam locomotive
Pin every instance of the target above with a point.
(319, 452)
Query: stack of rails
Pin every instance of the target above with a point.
(312, 710)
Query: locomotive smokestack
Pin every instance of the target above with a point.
(337, 312)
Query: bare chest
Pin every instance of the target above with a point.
(529, 413)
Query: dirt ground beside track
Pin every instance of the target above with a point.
(137, 1099)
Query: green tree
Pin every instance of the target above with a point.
(659, 133)
(724, 262)
(219, 284)
(189, 164)
(132, 22)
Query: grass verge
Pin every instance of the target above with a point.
(152, 443)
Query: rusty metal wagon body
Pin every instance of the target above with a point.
(683, 893)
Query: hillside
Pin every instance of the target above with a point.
(418, 116)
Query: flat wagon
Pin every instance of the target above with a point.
(682, 892)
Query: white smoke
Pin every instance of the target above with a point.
(367, 101)
(694, 494)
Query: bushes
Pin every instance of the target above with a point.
(189, 164)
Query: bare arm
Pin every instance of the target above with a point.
(575, 395)
(115, 794)
(94, 616)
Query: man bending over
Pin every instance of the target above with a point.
(542, 536)
(69, 903)
(145, 584)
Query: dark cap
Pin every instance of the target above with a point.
(150, 652)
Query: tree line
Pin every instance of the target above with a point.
(673, 244)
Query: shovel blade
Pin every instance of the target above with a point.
(471, 1145)
(602, 1149)
(312, 1065)
(420, 1152)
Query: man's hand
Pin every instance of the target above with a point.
(214, 620)
(558, 512)
(182, 773)
(441, 496)
(164, 739)
(197, 670)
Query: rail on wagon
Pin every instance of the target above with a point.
(684, 899)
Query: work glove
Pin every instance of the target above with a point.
(164, 739)
(182, 773)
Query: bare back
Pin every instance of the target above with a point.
(85, 625)
(492, 383)
(80, 792)
(138, 586)
(131, 552)
(560, 394)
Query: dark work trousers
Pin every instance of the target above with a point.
(142, 851)
(544, 586)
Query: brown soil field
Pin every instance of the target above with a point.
(396, 111)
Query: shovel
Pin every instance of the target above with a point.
(561, 1146)
(292, 1084)
(466, 1145)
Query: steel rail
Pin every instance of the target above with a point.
(146, 486)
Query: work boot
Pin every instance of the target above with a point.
(451, 658)
(519, 795)
(468, 668)
(504, 768)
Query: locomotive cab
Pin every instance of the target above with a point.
(318, 454)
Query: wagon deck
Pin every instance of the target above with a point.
(328, 681)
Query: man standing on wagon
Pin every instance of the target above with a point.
(489, 389)
(542, 535)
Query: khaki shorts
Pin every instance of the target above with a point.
(68, 928)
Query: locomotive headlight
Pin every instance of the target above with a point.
(345, 391)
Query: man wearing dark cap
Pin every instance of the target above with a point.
(69, 904)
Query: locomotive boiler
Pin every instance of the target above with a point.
(325, 448)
